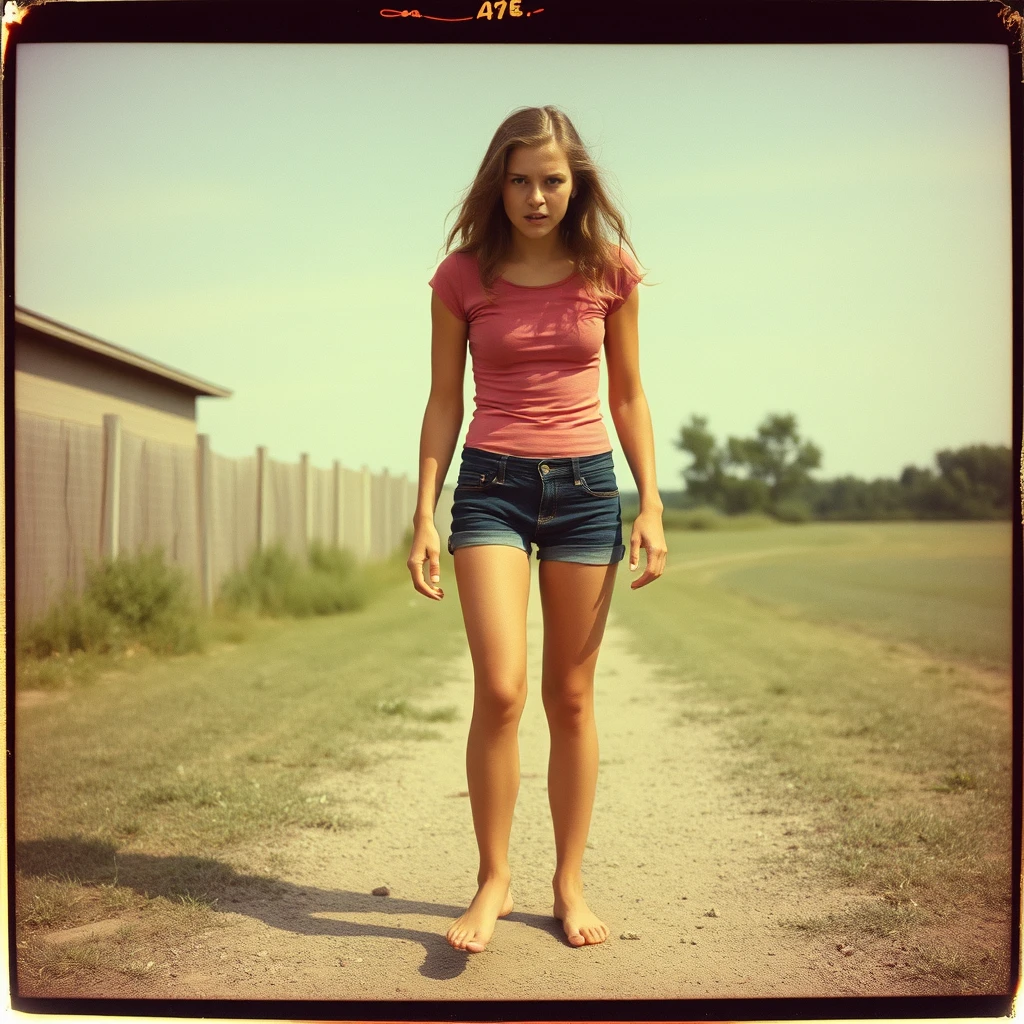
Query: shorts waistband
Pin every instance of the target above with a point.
(567, 466)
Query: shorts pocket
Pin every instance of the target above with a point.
(475, 474)
(600, 482)
(475, 481)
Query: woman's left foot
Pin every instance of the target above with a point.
(582, 926)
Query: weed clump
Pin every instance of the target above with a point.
(275, 583)
(130, 600)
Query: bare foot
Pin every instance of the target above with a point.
(474, 929)
(582, 926)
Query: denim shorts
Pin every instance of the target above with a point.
(569, 507)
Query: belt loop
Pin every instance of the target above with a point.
(501, 469)
(576, 470)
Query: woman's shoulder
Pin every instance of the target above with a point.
(622, 270)
(619, 257)
(457, 259)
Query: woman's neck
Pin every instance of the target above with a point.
(543, 253)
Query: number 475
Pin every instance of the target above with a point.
(488, 9)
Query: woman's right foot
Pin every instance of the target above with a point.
(474, 929)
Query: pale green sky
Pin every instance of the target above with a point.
(829, 227)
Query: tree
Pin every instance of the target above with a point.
(776, 461)
(776, 456)
(981, 474)
(744, 495)
(705, 476)
(974, 482)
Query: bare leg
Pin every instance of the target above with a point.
(494, 588)
(576, 599)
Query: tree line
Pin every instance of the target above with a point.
(771, 472)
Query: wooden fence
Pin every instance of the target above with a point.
(83, 492)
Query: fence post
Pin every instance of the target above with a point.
(204, 478)
(306, 523)
(386, 516)
(403, 503)
(261, 496)
(336, 512)
(111, 517)
(365, 547)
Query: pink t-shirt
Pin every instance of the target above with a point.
(536, 356)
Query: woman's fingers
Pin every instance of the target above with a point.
(415, 566)
(426, 548)
(656, 552)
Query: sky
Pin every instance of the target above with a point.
(826, 229)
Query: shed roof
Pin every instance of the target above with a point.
(73, 336)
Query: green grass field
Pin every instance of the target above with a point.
(861, 674)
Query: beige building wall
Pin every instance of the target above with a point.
(53, 378)
(40, 396)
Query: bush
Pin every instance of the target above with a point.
(704, 517)
(275, 583)
(71, 623)
(793, 510)
(339, 561)
(129, 599)
(139, 591)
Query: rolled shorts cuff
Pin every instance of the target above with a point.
(474, 538)
(592, 556)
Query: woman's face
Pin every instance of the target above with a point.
(536, 189)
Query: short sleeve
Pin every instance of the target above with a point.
(623, 281)
(447, 282)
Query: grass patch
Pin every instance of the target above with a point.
(958, 969)
(50, 963)
(880, 919)
(66, 960)
(403, 709)
(49, 902)
(956, 782)
(275, 583)
(805, 645)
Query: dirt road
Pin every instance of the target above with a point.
(677, 857)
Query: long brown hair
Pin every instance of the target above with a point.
(590, 218)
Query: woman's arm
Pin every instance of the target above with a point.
(631, 415)
(442, 421)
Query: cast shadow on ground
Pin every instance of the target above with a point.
(281, 905)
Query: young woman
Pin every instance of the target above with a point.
(534, 289)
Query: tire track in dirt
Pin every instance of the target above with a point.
(670, 842)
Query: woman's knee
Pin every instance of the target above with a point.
(500, 700)
(569, 704)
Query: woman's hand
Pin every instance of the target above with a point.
(649, 534)
(426, 546)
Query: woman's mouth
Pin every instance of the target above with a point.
(536, 216)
